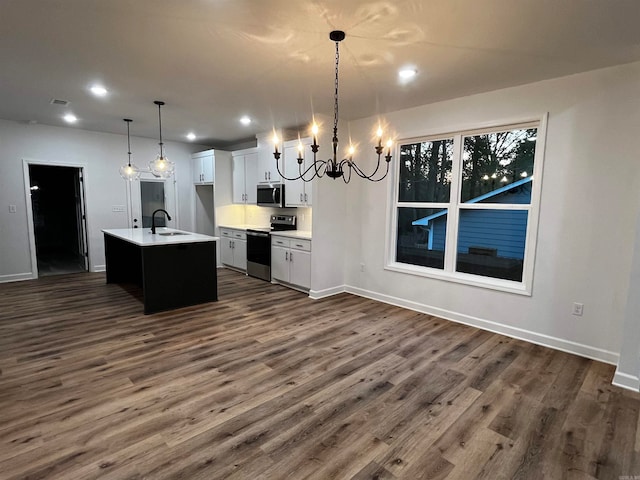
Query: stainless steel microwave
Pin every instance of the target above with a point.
(271, 195)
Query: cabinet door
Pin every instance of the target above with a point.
(226, 250)
(280, 263)
(267, 168)
(294, 189)
(300, 268)
(196, 164)
(251, 178)
(239, 179)
(240, 254)
(207, 169)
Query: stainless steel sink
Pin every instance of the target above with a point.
(171, 234)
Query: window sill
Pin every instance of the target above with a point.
(490, 283)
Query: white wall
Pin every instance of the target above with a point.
(587, 217)
(101, 154)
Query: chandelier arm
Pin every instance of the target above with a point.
(316, 166)
(302, 174)
(361, 174)
(370, 177)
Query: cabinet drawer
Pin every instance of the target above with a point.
(225, 233)
(280, 241)
(239, 235)
(300, 244)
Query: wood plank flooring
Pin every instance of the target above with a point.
(268, 384)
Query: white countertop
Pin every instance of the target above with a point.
(243, 227)
(302, 234)
(144, 237)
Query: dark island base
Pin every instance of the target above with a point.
(171, 276)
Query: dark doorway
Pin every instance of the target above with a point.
(57, 200)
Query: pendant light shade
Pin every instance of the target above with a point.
(161, 166)
(129, 171)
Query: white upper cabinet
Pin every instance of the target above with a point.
(203, 167)
(297, 192)
(245, 167)
(267, 167)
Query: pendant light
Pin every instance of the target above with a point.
(334, 168)
(161, 166)
(129, 171)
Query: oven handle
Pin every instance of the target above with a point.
(258, 234)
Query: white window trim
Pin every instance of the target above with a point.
(449, 274)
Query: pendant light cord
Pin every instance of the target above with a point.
(160, 123)
(128, 141)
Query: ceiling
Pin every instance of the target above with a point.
(213, 61)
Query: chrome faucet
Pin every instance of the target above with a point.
(153, 218)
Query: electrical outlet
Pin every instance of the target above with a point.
(117, 208)
(577, 309)
(12, 209)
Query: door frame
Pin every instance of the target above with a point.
(26, 162)
(170, 185)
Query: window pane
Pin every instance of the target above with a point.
(152, 198)
(425, 171)
(497, 167)
(421, 236)
(491, 243)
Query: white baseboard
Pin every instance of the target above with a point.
(624, 380)
(99, 268)
(327, 292)
(17, 277)
(514, 332)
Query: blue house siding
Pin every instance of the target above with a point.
(504, 230)
(439, 229)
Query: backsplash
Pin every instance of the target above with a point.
(261, 216)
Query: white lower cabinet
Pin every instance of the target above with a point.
(291, 261)
(233, 248)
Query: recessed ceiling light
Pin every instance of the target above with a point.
(407, 73)
(98, 90)
(245, 120)
(191, 136)
(70, 118)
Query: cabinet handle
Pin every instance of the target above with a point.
(305, 198)
(300, 197)
(291, 256)
(269, 175)
(286, 256)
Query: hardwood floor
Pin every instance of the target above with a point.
(268, 384)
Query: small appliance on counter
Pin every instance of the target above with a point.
(259, 245)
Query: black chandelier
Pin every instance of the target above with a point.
(332, 167)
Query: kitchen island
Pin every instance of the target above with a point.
(174, 268)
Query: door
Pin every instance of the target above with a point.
(300, 268)
(147, 195)
(56, 197)
(280, 263)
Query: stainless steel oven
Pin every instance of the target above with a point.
(259, 245)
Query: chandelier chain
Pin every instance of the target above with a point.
(335, 97)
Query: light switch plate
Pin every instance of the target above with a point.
(12, 209)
